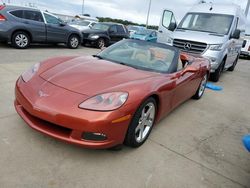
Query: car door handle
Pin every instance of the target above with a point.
(26, 22)
(160, 31)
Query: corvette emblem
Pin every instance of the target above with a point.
(42, 94)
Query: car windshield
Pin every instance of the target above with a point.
(205, 22)
(81, 23)
(101, 26)
(154, 57)
(144, 32)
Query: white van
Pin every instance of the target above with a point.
(215, 31)
(245, 51)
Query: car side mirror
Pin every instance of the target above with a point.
(189, 69)
(172, 26)
(236, 34)
(186, 58)
(62, 24)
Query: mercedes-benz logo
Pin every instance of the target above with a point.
(42, 94)
(187, 46)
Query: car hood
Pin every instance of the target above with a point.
(94, 31)
(90, 76)
(199, 36)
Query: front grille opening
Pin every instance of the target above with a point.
(47, 126)
(190, 46)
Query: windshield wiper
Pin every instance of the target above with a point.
(98, 56)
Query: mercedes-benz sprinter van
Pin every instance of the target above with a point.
(215, 31)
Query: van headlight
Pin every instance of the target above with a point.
(216, 47)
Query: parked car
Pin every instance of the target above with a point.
(211, 30)
(22, 26)
(112, 98)
(82, 24)
(245, 50)
(134, 28)
(146, 34)
(103, 34)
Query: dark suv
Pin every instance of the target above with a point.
(21, 26)
(104, 34)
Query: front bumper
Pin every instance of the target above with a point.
(69, 123)
(245, 53)
(215, 57)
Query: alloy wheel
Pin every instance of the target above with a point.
(74, 42)
(145, 123)
(21, 40)
(203, 85)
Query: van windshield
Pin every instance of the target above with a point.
(206, 22)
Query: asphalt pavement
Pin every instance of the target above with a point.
(197, 145)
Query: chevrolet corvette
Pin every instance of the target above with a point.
(112, 98)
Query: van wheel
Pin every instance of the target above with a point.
(73, 42)
(20, 40)
(234, 65)
(216, 75)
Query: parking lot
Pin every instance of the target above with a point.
(197, 145)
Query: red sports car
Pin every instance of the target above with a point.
(112, 98)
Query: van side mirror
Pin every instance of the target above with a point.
(236, 34)
(172, 26)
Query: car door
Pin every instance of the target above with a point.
(166, 27)
(187, 83)
(122, 32)
(113, 34)
(34, 22)
(56, 31)
(232, 46)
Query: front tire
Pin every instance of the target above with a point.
(141, 124)
(231, 69)
(101, 43)
(201, 89)
(216, 75)
(73, 42)
(20, 40)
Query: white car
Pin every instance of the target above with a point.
(82, 24)
(245, 51)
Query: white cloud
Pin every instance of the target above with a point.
(132, 10)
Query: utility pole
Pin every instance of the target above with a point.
(82, 7)
(149, 8)
(247, 8)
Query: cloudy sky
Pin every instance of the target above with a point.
(133, 10)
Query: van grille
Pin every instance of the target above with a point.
(190, 46)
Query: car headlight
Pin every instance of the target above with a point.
(105, 102)
(94, 37)
(216, 47)
(30, 72)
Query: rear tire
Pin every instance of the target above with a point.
(231, 69)
(73, 42)
(216, 75)
(141, 124)
(20, 40)
(201, 89)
